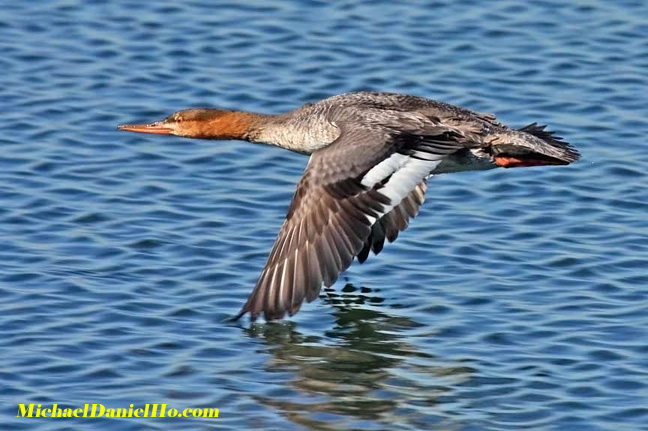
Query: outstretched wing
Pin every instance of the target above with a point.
(395, 221)
(346, 188)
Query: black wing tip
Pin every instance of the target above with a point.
(364, 253)
(268, 315)
(243, 312)
(240, 314)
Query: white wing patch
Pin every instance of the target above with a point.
(403, 181)
(384, 169)
(404, 172)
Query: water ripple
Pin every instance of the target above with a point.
(516, 300)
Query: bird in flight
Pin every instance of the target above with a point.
(371, 154)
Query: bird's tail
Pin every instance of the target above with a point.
(531, 145)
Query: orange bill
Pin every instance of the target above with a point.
(155, 128)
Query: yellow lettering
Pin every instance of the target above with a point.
(102, 409)
(22, 411)
(99, 410)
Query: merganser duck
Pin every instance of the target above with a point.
(371, 154)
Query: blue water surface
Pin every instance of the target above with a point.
(518, 299)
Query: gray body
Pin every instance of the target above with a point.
(371, 154)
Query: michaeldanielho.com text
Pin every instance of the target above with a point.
(100, 411)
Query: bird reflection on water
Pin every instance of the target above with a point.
(359, 370)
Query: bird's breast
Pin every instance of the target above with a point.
(304, 136)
